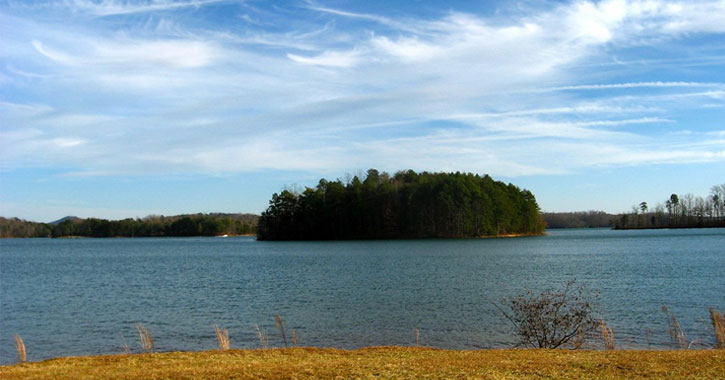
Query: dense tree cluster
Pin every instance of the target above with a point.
(150, 226)
(406, 205)
(581, 219)
(14, 227)
(679, 211)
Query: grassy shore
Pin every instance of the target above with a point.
(382, 363)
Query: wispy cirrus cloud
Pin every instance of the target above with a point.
(609, 86)
(214, 87)
(175, 53)
(121, 7)
(329, 58)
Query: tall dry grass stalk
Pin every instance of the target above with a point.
(124, 345)
(262, 335)
(20, 348)
(223, 337)
(676, 334)
(280, 325)
(579, 340)
(417, 336)
(145, 337)
(295, 338)
(607, 335)
(718, 324)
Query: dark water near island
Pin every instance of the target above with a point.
(77, 297)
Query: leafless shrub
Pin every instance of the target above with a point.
(20, 348)
(553, 317)
(222, 337)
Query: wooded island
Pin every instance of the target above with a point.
(405, 205)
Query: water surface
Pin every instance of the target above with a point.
(84, 296)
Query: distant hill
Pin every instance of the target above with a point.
(63, 219)
(581, 219)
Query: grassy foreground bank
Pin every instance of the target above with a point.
(382, 363)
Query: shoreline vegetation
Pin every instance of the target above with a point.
(214, 224)
(678, 211)
(394, 362)
(582, 359)
(405, 205)
(382, 363)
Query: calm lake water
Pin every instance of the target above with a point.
(81, 296)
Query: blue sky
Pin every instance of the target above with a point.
(120, 109)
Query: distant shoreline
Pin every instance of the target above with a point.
(665, 228)
(501, 236)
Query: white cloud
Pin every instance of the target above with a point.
(518, 95)
(172, 53)
(609, 86)
(65, 142)
(118, 7)
(341, 59)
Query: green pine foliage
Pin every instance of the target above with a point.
(406, 205)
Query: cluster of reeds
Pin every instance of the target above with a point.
(20, 348)
(262, 335)
(145, 337)
(607, 335)
(295, 338)
(222, 336)
(124, 346)
(677, 335)
(718, 324)
(280, 325)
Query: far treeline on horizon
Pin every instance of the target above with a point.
(380, 206)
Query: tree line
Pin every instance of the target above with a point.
(150, 226)
(579, 219)
(678, 211)
(404, 205)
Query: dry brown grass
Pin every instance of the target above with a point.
(20, 348)
(718, 324)
(382, 363)
(222, 336)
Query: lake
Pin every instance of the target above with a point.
(85, 296)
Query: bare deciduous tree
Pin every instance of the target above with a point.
(553, 317)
